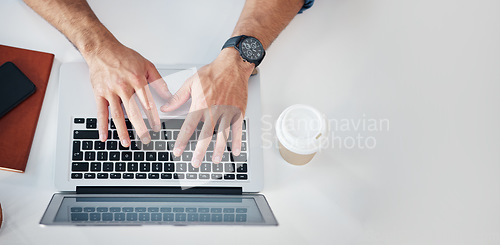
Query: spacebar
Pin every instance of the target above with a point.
(86, 134)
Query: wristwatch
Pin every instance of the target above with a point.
(250, 48)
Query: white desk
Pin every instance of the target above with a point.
(430, 67)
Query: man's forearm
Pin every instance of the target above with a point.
(265, 19)
(76, 20)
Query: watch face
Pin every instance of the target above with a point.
(252, 49)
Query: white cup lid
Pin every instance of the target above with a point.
(301, 129)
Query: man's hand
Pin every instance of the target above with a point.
(117, 73)
(219, 93)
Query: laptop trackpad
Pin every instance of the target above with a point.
(157, 209)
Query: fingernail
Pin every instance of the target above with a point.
(156, 128)
(236, 152)
(146, 139)
(102, 136)
(196, 162)
(164, 107)
(216, 159)
(177, 152)
(124, 142)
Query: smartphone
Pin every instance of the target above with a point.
(15, 87)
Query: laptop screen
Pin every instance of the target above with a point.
(87, 209)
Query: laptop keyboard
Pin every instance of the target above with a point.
(96, 160)
(158, 214)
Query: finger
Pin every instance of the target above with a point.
(187, 129)
(135, 117)
(153, 116)
(222, 135)
(179, 98)
(151, 113)
(156, 81)
(102, 117)
(237, 129)
(119, 120)
(204, 140)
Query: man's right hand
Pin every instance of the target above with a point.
(117, 73)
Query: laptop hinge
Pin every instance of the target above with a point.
(158, 190)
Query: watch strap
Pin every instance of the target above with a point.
(233, 42)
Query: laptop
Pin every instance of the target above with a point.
(107, 184)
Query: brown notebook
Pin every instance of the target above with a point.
(18, 126)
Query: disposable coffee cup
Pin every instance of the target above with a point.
(300, 130)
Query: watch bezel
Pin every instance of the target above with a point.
(244, 56)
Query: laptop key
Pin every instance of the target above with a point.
(102, 155)
(95, 217)
(79, 217)
(153, 176)
(229, 167)
(242, 176)
(166, 176)
(139, 156)
(187, 156)
(80, 167)
(166, 135)
(155, 217)
(89, 175)
(172, 123)
(216, 176)
(145, 167)
(191, 176)
(79, 120)
(126, 156)
(151, 156)
(107, 217)
(91, 123)
(107, 167)
(86, 145)
(156, 167)
(119, 216)
(132, 167)
(76, 146)
(169, 167)
(102, 175)
(131, 217)
(163, 156)
(135, 145)
(86, 134)
(193, 169)
(206, 167)
(204, 176)
(154, 135)
(217, 167)
(95, 167)
(149, 146)
(242, 168)
(229, 176)
(178, 176)
(76, 175)
(128, 176)
(160, 145)
(89, 156)
(114, 155)
(140, 176)
(99, 145)
(120, 167)
(115, 176)
(241, 158)
(111, 145)
(181, 167)
(77, 156)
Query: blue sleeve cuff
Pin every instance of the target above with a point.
(307, 5)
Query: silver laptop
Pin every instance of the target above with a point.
(107, 184)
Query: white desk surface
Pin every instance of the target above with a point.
(431, 68)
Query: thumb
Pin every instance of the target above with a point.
(179, 98)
